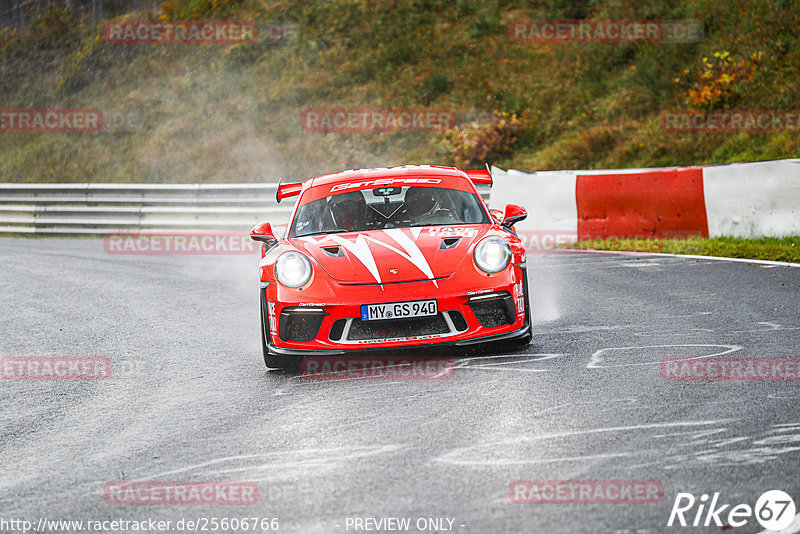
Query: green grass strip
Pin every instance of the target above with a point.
(764, 248)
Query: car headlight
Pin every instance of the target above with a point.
(293, 269)
(492, 254)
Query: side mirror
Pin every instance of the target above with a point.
(263, 232)
(513, 215)
(497, 214)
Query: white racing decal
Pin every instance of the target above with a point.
(478, 292)
(410, 251)
(360, 249)
(413, 253)
(395, 339)
(452, 231)
(273, 326)
(519, 292)
(383, 181)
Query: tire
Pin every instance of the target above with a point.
(279, 361)
(275, 361)
(522, 342)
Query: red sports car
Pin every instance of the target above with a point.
(391, 258)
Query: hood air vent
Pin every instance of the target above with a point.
(335, 252)
(449, 242)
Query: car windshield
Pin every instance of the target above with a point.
(388, 207)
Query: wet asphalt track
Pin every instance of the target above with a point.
(191, 400)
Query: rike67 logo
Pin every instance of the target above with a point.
(774, 510)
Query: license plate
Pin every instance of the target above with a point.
(398, 310)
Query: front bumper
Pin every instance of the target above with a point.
(508, 336)
(453, 301)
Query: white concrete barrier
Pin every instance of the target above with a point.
(753, 199)
(741, 199)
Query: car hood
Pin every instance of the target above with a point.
(391, 255)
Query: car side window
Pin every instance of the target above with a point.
(309, 218)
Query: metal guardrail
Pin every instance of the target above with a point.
(99, 209)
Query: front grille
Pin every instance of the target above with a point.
(300, 324)
(494, 309)
(416, 326)
(337, 329)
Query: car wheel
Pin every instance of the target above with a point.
(279, 361)
(522, 342)
(275, 361)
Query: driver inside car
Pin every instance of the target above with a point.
(348, 211)
(424, 205)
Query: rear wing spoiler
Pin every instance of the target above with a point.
(287, 190)
(482, 176)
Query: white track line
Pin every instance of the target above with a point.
(694, 257)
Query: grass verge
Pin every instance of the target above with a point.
(765, 248)
(217, 113)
